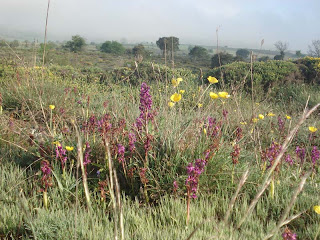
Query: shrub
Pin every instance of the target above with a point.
(113, 47)
(265, 74)
(310, 69)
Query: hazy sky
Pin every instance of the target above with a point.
(243, 23)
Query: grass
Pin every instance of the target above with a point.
(149, 204)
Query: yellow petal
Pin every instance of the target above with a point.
(313, 129)
(223, 94)
(212, 79)
(52, 107)
(317, 209)
(170, 104)
(213, 95)
(68, 148)
(176, 97)
(288, 117)
(182, 91)
(261, 116)
(270, 114)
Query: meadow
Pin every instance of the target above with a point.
(123, 149)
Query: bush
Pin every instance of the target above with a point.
(225, 58)
(113, 47)
(310, 69)
(265, 74)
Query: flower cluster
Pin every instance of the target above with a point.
(87, 151)
(121, 150)
(271, 153)
(46, 171)
(144, 107)
(301, 153)
(289, 235)
(194, 171)
(61, 154)
(132, 141)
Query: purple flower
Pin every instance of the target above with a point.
(225, 113)
(315, 155)
(289, 159)
(289, 235)
(87, 151)
(301, 153)
(194, 171)
(273, 152)
(132, 141)
(280, 124)
(46, 171)
(144, 107)
(61, 154)
(121, 150)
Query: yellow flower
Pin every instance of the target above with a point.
(205, 131)
(316, 209)
(254, 120)
(243, 123)
(52, 107)
(56, 143)
(182, 91)
(223, 94)
(68, 148)
(270, 114)
(212, 79)
(176, 82)
(176, 97)
(313, 129)
(199, 105)
(213, 95)
(170, 104)
(261, 116)
(288, 117)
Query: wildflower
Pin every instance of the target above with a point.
(235, 154)
(313, 129)
(86, 159)
(176, 97)
(272, 152)
(225, 113)
(170, 104)
(301, 153)
(145, 106)
(182, 91)
(176, 82)
(212, 80)
(223, 94)
(68, 148)
(270, 114)
(213, 95)
(52, 107)
(288, 117)
(142, 173)
(289, 235)
(61, 154)
(121, 150)
(315, 155)
(243, 123)
(194, 171)
(205, 131)
(132, 141)
(199, 105)
(254, 120)
(289, 159)
(46, 171)
(316, 209)
(261, 116)
(280, 124)
(56, 143)
(175, 186)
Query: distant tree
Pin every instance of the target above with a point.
(76, 44)
(198, 52)
(282, 47)
(139, 50)
(243, 53)
(298, 54)
(113, 47)
(2, 43)
(14, 44)
(314, 48)
(171, 44)
(263, 59)
(225, 58)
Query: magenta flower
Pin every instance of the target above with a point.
(315, 155)
(61, 154)
(194, 171)
(132, 141)
(289, 235)
(87, 151)
(121, 150)
(145, 106)
(301, 153)
(289, 159)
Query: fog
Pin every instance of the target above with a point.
(241, 23)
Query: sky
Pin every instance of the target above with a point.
(241, 23)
